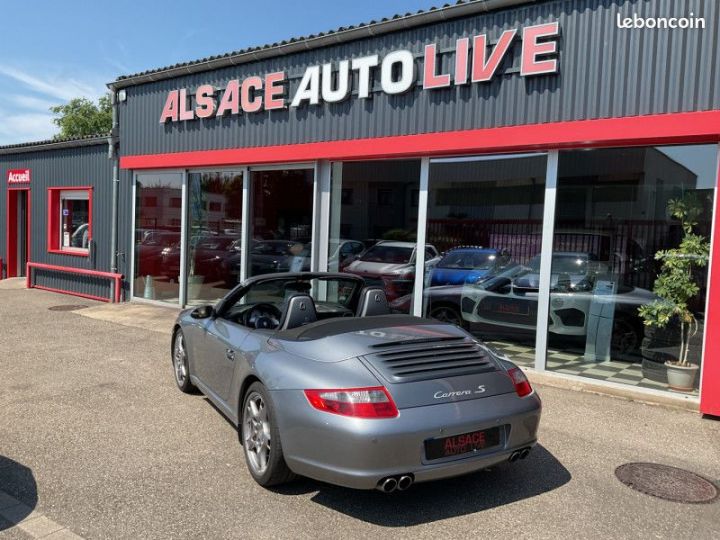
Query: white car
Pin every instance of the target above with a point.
(509, 301)
(391, 265)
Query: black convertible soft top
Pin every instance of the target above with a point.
(344, 325)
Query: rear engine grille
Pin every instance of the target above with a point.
(430, 359)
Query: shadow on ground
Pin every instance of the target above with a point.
(18, 482)
(424, 503)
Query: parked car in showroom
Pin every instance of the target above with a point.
(467, 264)
(207, 254)
(322, 381)
(391, 265)
(507, 303)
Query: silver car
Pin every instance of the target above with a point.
(322, 381)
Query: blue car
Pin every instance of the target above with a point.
(467, 264)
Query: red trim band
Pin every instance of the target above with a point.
(677, 128)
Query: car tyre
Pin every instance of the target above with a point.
(260, 439)
(447, 314)
(626, 337)
(181, 366)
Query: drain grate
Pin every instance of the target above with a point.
(67, 307)
(665, 482)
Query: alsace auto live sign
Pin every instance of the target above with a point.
(397, 75)
(18, 176)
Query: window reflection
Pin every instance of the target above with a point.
(486, 215)
(373, 225)
(282, 204)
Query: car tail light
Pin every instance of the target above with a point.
(522, 385)
(373, 402)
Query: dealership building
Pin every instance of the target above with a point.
(522, 168)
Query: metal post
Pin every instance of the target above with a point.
(245, 230)
(112, 154)
(548, 234)
(417, 304)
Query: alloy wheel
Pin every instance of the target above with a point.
(446, 315)
(180, 360)
(256, 433)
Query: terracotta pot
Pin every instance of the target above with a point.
(681, 378)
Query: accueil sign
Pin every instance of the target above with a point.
(18, 176)
(474, 62)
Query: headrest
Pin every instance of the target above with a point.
(299, 310)
(372, 302)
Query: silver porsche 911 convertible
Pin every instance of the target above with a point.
(323, 381)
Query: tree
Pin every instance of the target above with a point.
(81, 117)
(676, 284)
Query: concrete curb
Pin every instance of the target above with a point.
(32, 522)
(649, 397)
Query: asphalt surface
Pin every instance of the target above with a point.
(94, 434)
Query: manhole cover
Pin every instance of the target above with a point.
(68, 307)
(665, 482)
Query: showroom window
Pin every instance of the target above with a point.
(70, 220)
(158, 225)
(485, 217)
(373, 225)
(281, 224)
(629, 270)
(214, 252)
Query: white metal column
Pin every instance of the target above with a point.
(417, 303)
(548, 233)
(133, 226)
(184, 239)
(321, 243)
(245, 225)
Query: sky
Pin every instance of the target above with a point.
(52, 51)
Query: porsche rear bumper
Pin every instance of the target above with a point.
(358, 453)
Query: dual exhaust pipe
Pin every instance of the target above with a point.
(392, 483)
(519, 454)
(402, 482)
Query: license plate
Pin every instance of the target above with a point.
(462, 444)
(511, 309)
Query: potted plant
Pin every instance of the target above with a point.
(676, 285)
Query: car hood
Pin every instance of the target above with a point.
(378, 268)
(532, 281)
(456, 276)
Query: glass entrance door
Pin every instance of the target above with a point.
(157, 243)
(282, 217)
(485, 216)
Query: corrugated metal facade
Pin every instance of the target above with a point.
(605, 72)
(86, 165)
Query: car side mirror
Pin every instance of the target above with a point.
(500, 285)
(202, 312)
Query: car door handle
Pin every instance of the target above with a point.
(230, 354)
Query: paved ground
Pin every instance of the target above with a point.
(95, 438)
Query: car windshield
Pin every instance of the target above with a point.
(388, 254)
(271, 248)
(325, 290)
(214, 242)
(468, 260)
(161, 239)
(571, 263)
